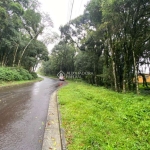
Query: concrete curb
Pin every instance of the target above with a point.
(52, 136)
(62, 131)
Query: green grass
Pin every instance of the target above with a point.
(95, 118)
(144, 90)
(15, 83)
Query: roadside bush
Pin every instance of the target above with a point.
(2, 73)
(34, 75)
(29, 76)
(9, 76)
(6, 74)
(25, 74)
(14, 74)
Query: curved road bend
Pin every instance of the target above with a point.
(23, 113)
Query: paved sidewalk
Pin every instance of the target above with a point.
(52, 136)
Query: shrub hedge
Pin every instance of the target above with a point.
(16, 74)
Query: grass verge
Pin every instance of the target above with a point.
(95, 118)
(4, 84)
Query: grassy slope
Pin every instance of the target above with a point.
(95, 118)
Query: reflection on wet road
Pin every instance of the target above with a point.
(23, 112)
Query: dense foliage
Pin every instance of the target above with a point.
(62, 58)
(16, 74)
(114, 39)
(21, 23)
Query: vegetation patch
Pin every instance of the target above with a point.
(16, 74)
(96, 118)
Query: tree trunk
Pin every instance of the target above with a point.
(24, 51)
(144, 79)
(3, 60)
(124, 73)
(26, 48)
(113, 63)
(114, 74)
(136, 73)
(6, 61)
(15, 55)
(124, 86)
(113, 67)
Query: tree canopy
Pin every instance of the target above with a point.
(21, 24)
(117, 35)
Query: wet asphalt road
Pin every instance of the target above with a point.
(23, 113)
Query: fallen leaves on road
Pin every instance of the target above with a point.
(40, 141)
(55, 143)
(49, 123)
(53, 139)
(51, 114)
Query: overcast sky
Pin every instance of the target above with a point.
(60, 10)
